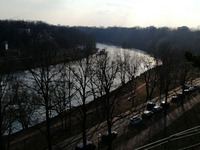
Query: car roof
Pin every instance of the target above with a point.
(136, 116)
(147, 111)
(106, 133)
(80, 145)
(157, 106)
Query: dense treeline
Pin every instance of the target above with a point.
(147, 39)
(21, 34)
(21, 43)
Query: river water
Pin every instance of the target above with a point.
(135, 56)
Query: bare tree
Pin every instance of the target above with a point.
(43, 80)
(24, 103)
(107, 75)
(132, 64)
(64, 94)
(82, 72)
(183, 73)
(166, 56)
(6, 108)
(122, 62)
(150, 76)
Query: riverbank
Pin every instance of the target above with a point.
(22, 61)
(59, 127)
(23, 139)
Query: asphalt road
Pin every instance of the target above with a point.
(121, 126)
(152, 130)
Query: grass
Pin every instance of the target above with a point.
(188, 120)
(39, 142)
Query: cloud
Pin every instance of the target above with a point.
(104, 12)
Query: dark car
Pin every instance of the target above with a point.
(135, 120)
(188, 91)
(174, 99)
(164, 104)
(89, 146)
(105, 136)
(150, 105)
(180, 95)
(185, 86)
(157, 108)
(196, 87)
(147, 114)
(193, 88)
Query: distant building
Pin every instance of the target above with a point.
(6, 45)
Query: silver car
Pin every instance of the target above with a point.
(135, 120)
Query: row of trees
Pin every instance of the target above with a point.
(147, 39)
(23, 35)
(56, 88)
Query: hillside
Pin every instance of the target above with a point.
(148, 39)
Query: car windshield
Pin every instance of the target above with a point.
(80, 145)
(137, 119)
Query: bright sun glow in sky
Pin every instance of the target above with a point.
(126, 13)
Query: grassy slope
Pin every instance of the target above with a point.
(190, 119)
(39, 142)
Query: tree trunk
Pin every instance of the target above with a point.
(48, 125)
(109, 133)
(84, 128)
(2, 144)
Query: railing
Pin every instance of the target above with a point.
(177, 136)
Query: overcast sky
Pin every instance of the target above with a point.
(126, 13)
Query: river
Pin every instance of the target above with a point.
(135, 56)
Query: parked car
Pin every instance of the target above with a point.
(164, 104)
(157, 108)
(89, 146)
(105, 136)
(191, 89)
(188, 91)
(180, 95)
(196, 87)
(150, 105)
(135, 120)
(185, 86)
(174, 99)
(147, 114)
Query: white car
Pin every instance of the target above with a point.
(157, 108)
(135, 120)
(147, 114)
